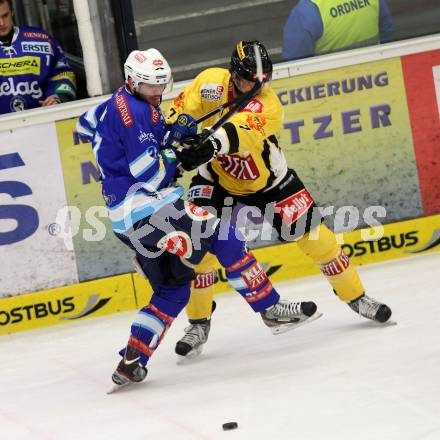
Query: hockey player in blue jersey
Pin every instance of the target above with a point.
(168, 235)
(33, 69)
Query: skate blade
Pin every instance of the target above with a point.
(287, 327)
(388, 323)
(193, 354)
(116, 387)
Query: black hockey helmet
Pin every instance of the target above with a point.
(243, 61)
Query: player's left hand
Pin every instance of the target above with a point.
(50, 100)
(184, 126)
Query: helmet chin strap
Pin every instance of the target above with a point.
(238, 92)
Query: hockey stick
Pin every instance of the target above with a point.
(218, 109)
(242, 102)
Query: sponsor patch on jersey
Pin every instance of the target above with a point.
(20, 66)
(124, 111)
(36, 35)
(242, 168)
(36, 47)
(254, 276)
(176, 242)
(254, 106)
(212, 92)
(200, 191)
(140, 57)
(158, 62)
(15, 88)
(197, 213)
(335, 266)
(294, 206)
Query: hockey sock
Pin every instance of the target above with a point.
(202, 290)
(153, 321)
(248, 278)
(243, 271)
(320, 244)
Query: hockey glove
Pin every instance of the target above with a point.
(196, 153)
(184, 126)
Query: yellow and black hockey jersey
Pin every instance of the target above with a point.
(250, 159)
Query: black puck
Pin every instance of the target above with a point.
(229, 426)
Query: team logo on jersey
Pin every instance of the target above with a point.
(140, 57)
(254, 276)
(11, 88)
(293, 207)
(212, 92)
(36, 47)
(256, 123)
(200, 191)
(36, 35)
(254, 106)
(155, 115)
(20, 66)
(197, 213)
(177, 242)
(143, 136)
(178, 102)
(17, 104)
(242, 168)
(124, 111)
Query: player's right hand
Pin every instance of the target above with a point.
(195, 152)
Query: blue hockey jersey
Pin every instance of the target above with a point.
(32, 68)
(137, 173)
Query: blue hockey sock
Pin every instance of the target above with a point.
(251, 282)
(153, 321)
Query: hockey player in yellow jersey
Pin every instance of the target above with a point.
(242, 163)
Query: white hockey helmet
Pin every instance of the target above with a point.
(150, 67)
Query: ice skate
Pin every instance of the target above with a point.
(286, 315)
(196, 334)
(371, 309)
(128, 371)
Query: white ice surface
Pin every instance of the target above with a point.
(338, 378)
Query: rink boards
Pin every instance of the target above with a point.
(282, 262)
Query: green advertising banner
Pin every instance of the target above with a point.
(347, 134)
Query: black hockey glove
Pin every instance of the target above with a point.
(195, 153)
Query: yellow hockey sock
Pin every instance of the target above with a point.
(320, 244)
(202, 290)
